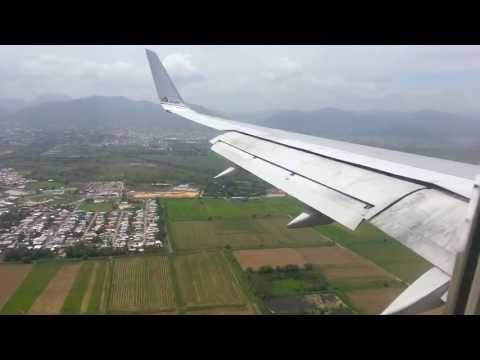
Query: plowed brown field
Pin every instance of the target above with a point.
(373, 301)
(255, 259)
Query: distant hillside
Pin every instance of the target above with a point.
(98, 113)
(427, 132)
(427, 125)
(46, 98)
(11, 105)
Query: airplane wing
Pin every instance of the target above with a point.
(420, 201)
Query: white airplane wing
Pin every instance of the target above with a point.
(420, 201)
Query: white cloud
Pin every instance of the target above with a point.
(282, 69)
(244, 78)
(182, 69)
(50, 65)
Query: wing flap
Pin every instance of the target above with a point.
(429, 222)
(354, 181)
(344, 209)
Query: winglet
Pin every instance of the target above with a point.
(166, 90)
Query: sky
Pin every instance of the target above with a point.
(256, 78)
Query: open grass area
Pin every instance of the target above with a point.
(242, 233)
(373, 244)
(31, 288)
(206, 280)
(186, 209)
(105, 206)
(205, 208)
(44, 185)
(226, 209)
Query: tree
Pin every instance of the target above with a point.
(265, 269)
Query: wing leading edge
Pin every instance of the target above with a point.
(420, 201)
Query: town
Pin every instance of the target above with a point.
(100, 217)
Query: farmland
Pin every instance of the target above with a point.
(373, 301)
(255, 259)
(94, 297)
(202, 209)
(207, 281)
(333, 270)
(11, 277)
(141, 284)
(32, 287)
(371, 243)
(53, 296)
(242, 233)
(73, 301)
(227, 257)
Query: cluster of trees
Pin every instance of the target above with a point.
(24, 255)
(162, 233)
(10, 218)
(81, 251)
(290, 268)
(229, 188)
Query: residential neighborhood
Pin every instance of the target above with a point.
(36, 225)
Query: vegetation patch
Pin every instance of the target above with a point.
(45, 185)
(289, 280)
(91, 206)
(312, 304)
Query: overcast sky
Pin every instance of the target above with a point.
(254, 78)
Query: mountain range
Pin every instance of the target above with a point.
(426, 125)
(12, 105)
(398, 130)
(96, 113)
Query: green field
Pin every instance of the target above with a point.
(206, 280)
(33, 285)
(203, 209)
(278, 283)
(105, 206)
(44, 185)
(242, 233)
(373, 244)
(186, 209)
